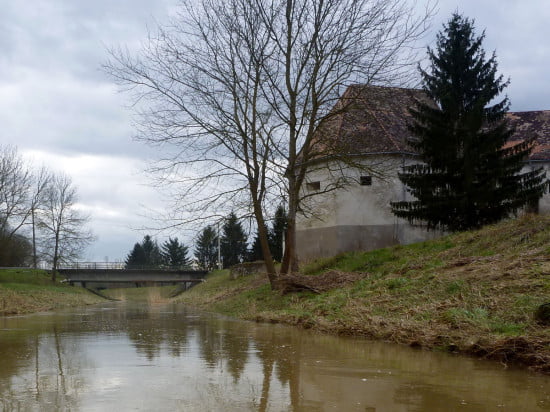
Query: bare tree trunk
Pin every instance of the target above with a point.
(268, 369)
(55, 258)
(238, 90)
(266, 251)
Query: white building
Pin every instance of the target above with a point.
(356, 214)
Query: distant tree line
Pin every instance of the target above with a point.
(38, 218)
(148, 253)
(233, 246)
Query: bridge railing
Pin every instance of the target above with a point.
(120, 265)
(93, 265)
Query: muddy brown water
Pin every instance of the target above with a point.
(128, 357)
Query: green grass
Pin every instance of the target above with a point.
(467, 290)
(25, 276)
(29, 290)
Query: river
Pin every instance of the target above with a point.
(145, 357)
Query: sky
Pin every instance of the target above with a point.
(60, 109)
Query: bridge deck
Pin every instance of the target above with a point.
(84, 276)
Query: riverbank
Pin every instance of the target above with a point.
(474, 293)
(29, 290)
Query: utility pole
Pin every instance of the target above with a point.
(219, 248)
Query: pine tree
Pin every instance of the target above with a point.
(174, 253)
(206, 248)
(233, 242)
(469, 177)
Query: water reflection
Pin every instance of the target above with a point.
(163, 357)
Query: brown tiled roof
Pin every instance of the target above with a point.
(368, 119)
(373, 119)
(530, 124)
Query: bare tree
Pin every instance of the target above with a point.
(40, 182)
(15, 185)
(63, 228)
(235, 91)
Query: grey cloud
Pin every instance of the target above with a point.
(55, 99)
(518, 31)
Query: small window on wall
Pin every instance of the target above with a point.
(313, 186)
(366, 180)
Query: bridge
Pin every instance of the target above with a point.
(100, 275)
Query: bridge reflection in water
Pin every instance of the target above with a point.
(100, 275)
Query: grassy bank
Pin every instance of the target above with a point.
(28, 290)
(474, 292)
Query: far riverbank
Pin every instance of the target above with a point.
(25, 291)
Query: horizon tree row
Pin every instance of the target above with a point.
(148, 253)
(233, 246)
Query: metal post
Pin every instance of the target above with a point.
(283, 244)
(219, 249)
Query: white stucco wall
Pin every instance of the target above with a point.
(358, 217)
(544, 203)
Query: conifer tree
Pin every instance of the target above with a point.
(469, 177)
(255, 252)
(233, 242)
(136, 257)
(206, 248)
(277, 233)
(146, 253)
(151, 250)
(174, 253)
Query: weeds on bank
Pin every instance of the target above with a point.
(29, 290)
(477, 286)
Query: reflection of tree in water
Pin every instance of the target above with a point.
(235, 346)
(224, 343)
(147, 342)
(44, 362)
(210, 341)
(279, 349)
(151, 327)
(178, 339)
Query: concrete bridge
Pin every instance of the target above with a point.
(103, 275)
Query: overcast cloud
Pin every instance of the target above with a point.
(59, 108)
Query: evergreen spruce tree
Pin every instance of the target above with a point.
(233, 242)
(146, 253)
(206, 248)
(153, 257)
(277, 233)
(469, 177)
(174, 253)
(255, 252)
(136, 257)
